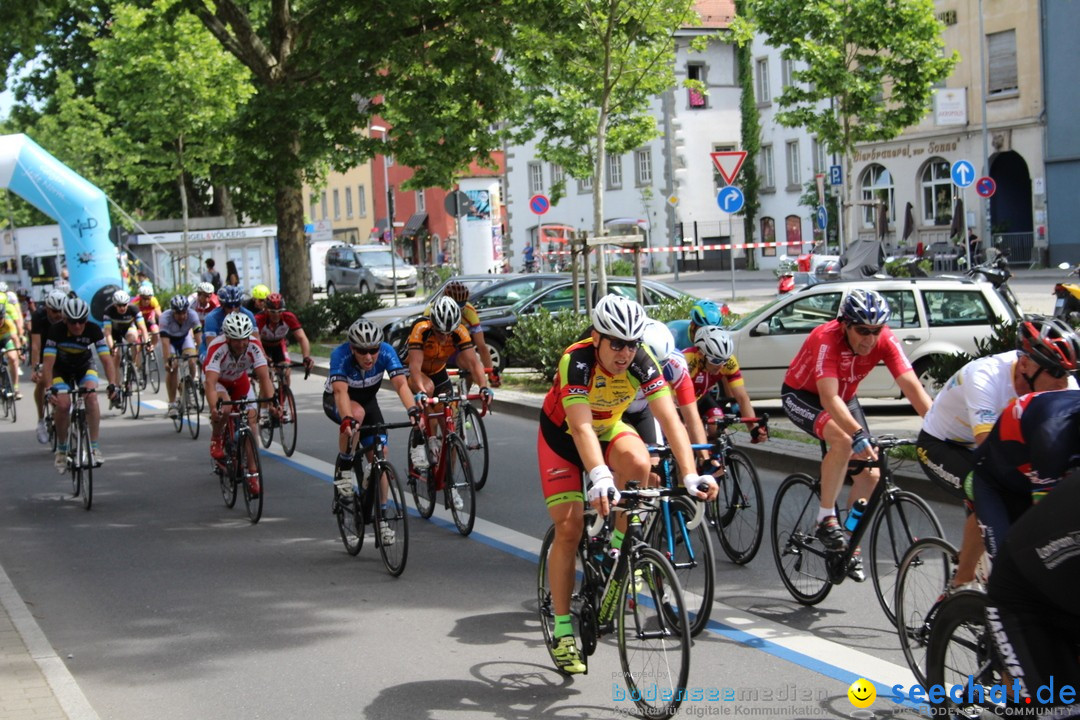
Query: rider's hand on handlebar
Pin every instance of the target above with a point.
(487, 395)
(347, 426)
(414, 414)
(710, 466)
(494, 379)
(602, 483)
(759, 434)
(420, 398)
(309, 362)
(861, 447)
(693, 482)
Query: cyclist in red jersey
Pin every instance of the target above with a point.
(205, 301)
(818, 395)
(275, 324)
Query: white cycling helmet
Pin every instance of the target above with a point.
(445, 314)
(236, 326)
(76, 309)
(121, 297)
(715, 344)
(659, 339)
(205, 287)
(55, 300)
(146, 290)
(619, 317)
(365, 334)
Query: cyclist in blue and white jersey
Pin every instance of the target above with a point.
(178, 328)
(703, 314)
(230, 297)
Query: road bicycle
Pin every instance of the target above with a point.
(187, 396)
(240, 465)
(922, 584)
(287, 424)
(80, 457)
(639, 599)
(470, 422)
(7, 391)
(687, 546)
(738, 513)
(894, 519)
(388, 517)
(130, 390)
(448, 468)
(149, 371)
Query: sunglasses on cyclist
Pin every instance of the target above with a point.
(365, 351)
(618, 344)
(868, 331)
(75, 322)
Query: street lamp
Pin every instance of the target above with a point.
(389, 209)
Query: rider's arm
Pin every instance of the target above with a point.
(305, 346)
(47, 369)
(416, 361)
(210, 386)
(474, 366)
(340, 390)
(829, 392)
(914, 392)
(482, 350)
(579, 420)
(746, 408)
(108, 361)
(401, 387)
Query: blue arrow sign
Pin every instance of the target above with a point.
(822, 217)
(730, 199)
(835, 175)
(963, 173)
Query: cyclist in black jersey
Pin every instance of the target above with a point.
(48, 314)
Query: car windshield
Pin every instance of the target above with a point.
(378, 258)
(751, 317)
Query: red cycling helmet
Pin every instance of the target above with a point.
(274, 301)
(457, 292)
(1049, 342)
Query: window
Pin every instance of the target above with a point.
(361, 201)
(348, 202)
(793, 228)
(768, 234)
(805, 314)
(877, 185)
(904, 313)
(787, 71)
(765, 168)
(421, 201)
(762, 81)
(957, 307)
(557, 174)
(337, 204)
(821, 164)
(614, 172)
(643, 166)
(325, 214)
(536, 178)
(1002, 75)
(584, 185)
(794, 176)
(313, 203)
(696, 98)
(937, 193)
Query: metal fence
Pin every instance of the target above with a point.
(1018, 246)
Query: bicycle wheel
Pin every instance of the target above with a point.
(266, 429)
(582, 612)
(350, 521)
(200, 387)
(961, 652)
(251, 481)
(691, 554)
(85, 459)
(458, 485)
(132, 394)
(226, 472)
(12, 406)
(920, 585)
(153, 372)
(894, 529)
(74, 453)
(50, 425)
(799, 556)
(739, 509)
(420, 484)
(191, 406)
(391, 520)
(654, 646)
(143, 375)
(289, 423)
(474, 435)
(180, 410)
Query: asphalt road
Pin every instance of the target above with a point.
(163, 603)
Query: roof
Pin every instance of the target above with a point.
(715, 14)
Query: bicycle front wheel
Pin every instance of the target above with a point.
(132, 392)
(180, 410)
(288, 427)
(191, 404)
(350, 521)
(85, 460)
(653, 634)
(153, 373)
(74, 454)
(226, 472)
(420, 484)
(961, 653)
(691, 554)
(249, 476)
(474, 434)
(739, 509)
(799, 556)
(391, 519)
(200, 387)
(458, 485)
(920, 586)
(901, 521)
(266, 429)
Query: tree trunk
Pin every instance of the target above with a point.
(183, 279)
(224, 205)
(292, 243)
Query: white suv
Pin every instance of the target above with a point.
(930, 317)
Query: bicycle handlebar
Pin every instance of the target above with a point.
(292, 364)
(640, 497)
(729, 420)
(245, 402)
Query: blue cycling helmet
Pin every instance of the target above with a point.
(864, 307)
(705, 313)
(230, 295)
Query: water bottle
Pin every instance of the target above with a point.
(855, 515)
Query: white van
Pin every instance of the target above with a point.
(317, 257)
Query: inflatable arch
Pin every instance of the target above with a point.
(80, 208)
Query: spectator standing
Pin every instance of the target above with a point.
(211, 275)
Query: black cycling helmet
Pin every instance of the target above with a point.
(1050, 342)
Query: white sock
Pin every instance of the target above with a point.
(823, 513)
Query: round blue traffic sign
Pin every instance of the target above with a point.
(539, 204)
(963, 173)
(730, 199)
(822, 217)
(985, 187)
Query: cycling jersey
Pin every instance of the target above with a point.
(469, 317)
(827, 354)
(39, 325)
(177, 325)
(75, 352)
(437, 347)
(9, 334)
(363, 384)
(703, 380)
(680, 330)
(1028, 452)
(203, 310)
(118, 322)
(678, 378)
(149, 307)
(230, 369)
(211, 325)
(276, 334)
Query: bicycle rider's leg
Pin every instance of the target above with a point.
(13, 367)
(644, 425)
(344, 458)
(628, 458)
(93, 407)
(63, 405)
(190, 353)
(172, 368)
(947, 465)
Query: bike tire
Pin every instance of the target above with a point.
(181, 409)
(420, 483)
(86, 460)
(143, 375)
(961, 648)
(458, 484)
(392, 515)
(350, 521)
(200, 386)
(545, 608)
(132, 393)
(289, 426)
(266, 429)
(653, 632)
(740, 509)
(474, 435)
(799, 557)
(50, 425)
(246, 448)
(74, 453)
(895, 528)
(691, 554)
(191, 404)
(921, 583)
(227, 477)
(13, 406)
(153, 373)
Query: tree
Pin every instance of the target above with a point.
(613, 59)
(865, 68)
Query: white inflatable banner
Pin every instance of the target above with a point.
(79, 207)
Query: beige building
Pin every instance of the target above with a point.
(343, 209)
(915, 167)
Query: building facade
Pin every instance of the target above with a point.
(1060, 59)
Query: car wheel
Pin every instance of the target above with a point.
(364, 289)
(411, 294)
(922, 372)
(331, 291)
(498, 357)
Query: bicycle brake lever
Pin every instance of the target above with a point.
(699, 511)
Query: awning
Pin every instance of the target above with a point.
(413, 226)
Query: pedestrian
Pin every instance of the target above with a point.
(232, 277)
(211, 275)
(973, 245)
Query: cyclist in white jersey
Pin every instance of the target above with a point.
(177, 327)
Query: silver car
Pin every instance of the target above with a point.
(367, 269)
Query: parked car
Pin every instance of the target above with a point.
(367, 268)
(930, 316)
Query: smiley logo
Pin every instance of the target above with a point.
(862, 693)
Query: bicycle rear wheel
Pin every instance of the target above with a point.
(691, 554)
(653, 634)
(350, 521)
(420, 483)
(391, 519)
(582, 611)
(474, 435)
(266, 429)
(191, 405)
(153, 372)
(739, 509)
(458, 485)
(920, 586)
(288, 427)
(85, 460)
(894, 529)
(799, 556)
(961, 652)
(249, 476)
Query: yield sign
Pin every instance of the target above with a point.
(728, 163)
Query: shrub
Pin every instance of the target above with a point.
(333, 315)
(540, 338)
(622, 267)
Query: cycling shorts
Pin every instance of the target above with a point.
(643, 423)
(804, 409)
(372, 416)
(560, 464)
(66, 377)
(238, 389)
(119, 335)
(183, 345)
(275, 353)
(946, 463)
(8, 345)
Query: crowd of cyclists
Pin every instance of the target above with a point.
(1001, 436)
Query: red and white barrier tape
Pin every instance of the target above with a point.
(685, 248)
